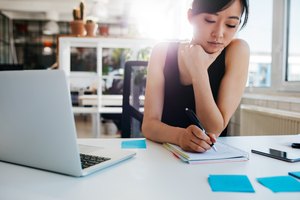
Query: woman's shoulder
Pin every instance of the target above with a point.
(160, 50)
(161, 47)
(238, 46)
(164, 46)
(237, 54)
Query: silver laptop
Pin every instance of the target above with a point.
(37, 126)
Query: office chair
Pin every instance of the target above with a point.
(133, 89)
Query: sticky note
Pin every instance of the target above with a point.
(295, 174)
(133, 144)
(280, 183)
(230, 183)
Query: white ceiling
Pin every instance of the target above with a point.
(62, 9)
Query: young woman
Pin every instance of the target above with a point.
(207, 74)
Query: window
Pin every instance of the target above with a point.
(258, 34)
(293, 50)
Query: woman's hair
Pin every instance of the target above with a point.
(214, 6)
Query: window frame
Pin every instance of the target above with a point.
(288, 7)
(279, 63)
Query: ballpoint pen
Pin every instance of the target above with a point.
(194, 119)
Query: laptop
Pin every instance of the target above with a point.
(37, 127)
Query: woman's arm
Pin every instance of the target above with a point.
(152, 126)
(215, 116)
(191, 138)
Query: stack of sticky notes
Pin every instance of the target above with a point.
(230, 183)
(134, 144)
(241, 183)
(282, 183)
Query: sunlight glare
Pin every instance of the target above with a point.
(164, 20)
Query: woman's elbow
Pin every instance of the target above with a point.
(218, 128)
(145, 130)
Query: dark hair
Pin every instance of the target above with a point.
(214, 6)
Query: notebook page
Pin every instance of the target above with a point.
(224, 151)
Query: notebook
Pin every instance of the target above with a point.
(224, 153)
(37, 127)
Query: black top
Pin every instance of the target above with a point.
(177, 97)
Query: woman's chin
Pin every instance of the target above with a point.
(211, 50)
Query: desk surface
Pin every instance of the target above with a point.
(153, 173)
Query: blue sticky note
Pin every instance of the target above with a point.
(230, 183)
(295, 174)
(133, 144)
(280, 183)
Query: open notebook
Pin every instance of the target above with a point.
(224, 153)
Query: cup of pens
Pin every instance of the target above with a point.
(77, 25)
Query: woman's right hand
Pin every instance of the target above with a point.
(195, 58)
(194, 140)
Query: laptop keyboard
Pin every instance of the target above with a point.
(89, 160)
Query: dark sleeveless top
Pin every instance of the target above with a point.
(177, 97)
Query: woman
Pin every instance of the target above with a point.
(207, 74)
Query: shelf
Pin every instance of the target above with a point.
(96, 110)
(30, 41)
(101, 103)
(82, 79)
(107, 100)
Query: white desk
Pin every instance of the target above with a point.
(153, 174)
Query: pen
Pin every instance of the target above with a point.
(194, 119)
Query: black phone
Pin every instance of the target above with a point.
(296, 145)
(277, 154)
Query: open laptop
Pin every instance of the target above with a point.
(37, 127)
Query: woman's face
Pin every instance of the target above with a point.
(215, 31)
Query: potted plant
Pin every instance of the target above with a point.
(77, 25)
(91, 28)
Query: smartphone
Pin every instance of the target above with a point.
(296, 145)
(277, 154)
